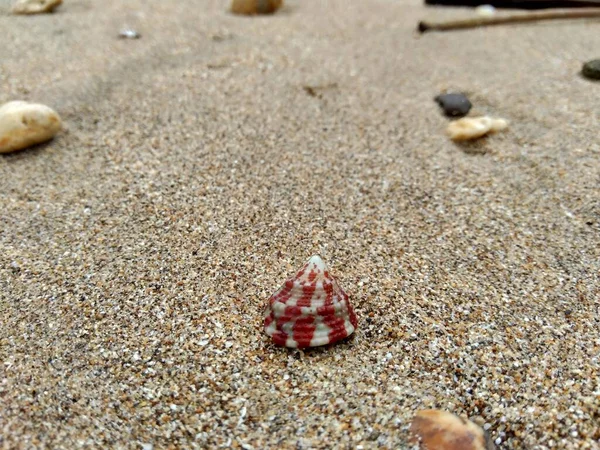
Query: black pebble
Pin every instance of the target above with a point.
(454, 105)
(591, 69)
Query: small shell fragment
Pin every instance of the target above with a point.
(433, 429)
(469, 128)
(24, 124)
(250, 7)
(310, 309)
(128, 33)
(35, 6)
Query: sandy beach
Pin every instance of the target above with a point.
(202, 164)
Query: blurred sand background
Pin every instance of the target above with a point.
(205, 162)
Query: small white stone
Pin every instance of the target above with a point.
(469, 128)
(25, 124)
(485, 10)
(35, 6)
(128, 33)
(243, 412)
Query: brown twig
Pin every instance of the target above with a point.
(519, 4)
(474, 22)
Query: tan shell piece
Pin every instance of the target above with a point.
(24, 124)
(35, 6)
(250, 7)
(469, 128)
(433, 429)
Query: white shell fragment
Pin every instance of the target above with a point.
(24, 124)
(469, 128)
(35, 6)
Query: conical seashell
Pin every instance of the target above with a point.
(310, 309)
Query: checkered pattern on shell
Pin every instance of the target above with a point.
(310, 309)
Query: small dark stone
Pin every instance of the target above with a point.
(591, 69)
(454, 104)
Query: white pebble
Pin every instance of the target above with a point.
(128, 33)
(485, 10)
(25, 124)
(469, 128)
(35, 6)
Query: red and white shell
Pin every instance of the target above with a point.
(310, 309)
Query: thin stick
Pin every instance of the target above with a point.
(499, 20)
(519, 4)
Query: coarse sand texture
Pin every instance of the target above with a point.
(202, 164)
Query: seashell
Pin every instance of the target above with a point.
(469, 128)
(250, 7)
(440, 430)
(310, 309)
(35, 6)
